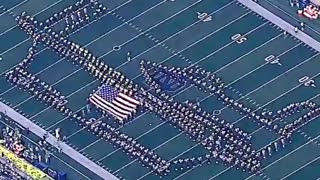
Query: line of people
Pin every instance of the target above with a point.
(224, 142)
(107, 75)
(202, 79)
(41, 90)
(13, 141)
(103, 130)
(290, 128)
(8, 171)
(79, 55)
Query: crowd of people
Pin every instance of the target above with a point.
(8, 171)
(73, 17)
(290, 128)
(101, 71)
(225, 142)
(12, 140)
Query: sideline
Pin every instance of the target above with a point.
(81, 159)
(281, 23)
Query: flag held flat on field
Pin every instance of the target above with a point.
(110, 100)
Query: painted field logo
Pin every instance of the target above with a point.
(166, 80)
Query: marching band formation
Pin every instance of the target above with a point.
(223, 141)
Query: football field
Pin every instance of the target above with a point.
(169, 32)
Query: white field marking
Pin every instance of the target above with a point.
(232, 42)
(69, 35)
(184, 89)
(191, 86)
(266, 63)
(48, 7)
(234, 123)
(306, 25)
(237, 100)
(83, 106)
(65, 77)
(257, 130)
(298, 169)
(103, 36)
(256, 48)
(36, 144)
(177, 135)
(58, 61)
(89, 145)
(141, 135)
(17, 5)
(296, 149)
(269, 103)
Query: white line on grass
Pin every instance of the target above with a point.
(17, 5)
(243, 118)
(96, 80)
(1, 54)
(47, 7)
(36, 144)
(298, 169)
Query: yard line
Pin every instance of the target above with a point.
(280, 9)
(296, 149)
(266, 63)
(89, 145)
(257, 130)
(48, 7)
(17, 5)
(232, 42)
(190, 86)
(298, 169)
(202, 59)
(256, 48)
(152, 149)
(141, 135)
(69, 35)
(238, 121)
(65, 77)
(273, 101)
(18, 44)
(115, 69)
(281, 23)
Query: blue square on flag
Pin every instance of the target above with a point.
(110, 100)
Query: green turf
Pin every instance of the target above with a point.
(241, 66)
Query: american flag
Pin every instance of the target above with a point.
(114, 102)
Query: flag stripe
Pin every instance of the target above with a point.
(116, 103)
(123, 101)
(101, 105)
(123, 106)
(129, 99)
(105, 108)
(113, 108)
(92, 100)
